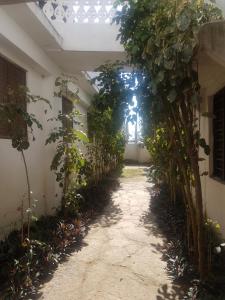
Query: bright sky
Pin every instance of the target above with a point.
(131, 126)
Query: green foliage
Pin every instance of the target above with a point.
(24, 266)
(74, 201)
(159, 149)
(22, 255)
(106, 117)
(163, 153)
(214, 236)
(68, 162)
(113, 98)
(161, 39)
(68, 159)
(15, 113)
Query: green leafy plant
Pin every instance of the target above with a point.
(161, 39)
(68, 162)
(106, 118)
(214, 242)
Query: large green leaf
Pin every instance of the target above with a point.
(187, 54)
(169, 64)
(183, 22)
(81, 136)
(160, 77)
(172, 96)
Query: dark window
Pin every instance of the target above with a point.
(219, 135)
(67, 108)
(11, 76)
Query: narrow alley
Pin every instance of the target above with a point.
(119, 259)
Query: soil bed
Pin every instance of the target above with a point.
(169, 218)
(25, 267)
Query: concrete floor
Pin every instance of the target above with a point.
(120, 259)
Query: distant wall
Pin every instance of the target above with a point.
(136, 153)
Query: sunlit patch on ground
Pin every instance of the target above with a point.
(130, 171)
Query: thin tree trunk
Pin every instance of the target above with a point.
(200, 219)
(28, 194)
(66, 183)
(187, 115)
(184, 172)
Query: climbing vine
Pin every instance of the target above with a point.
(161, 38)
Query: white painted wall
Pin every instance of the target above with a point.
(136, 153)
(12, 176)
(17, 46)
(212, 79)
(221, 5)
(25, 45)
(89, 37)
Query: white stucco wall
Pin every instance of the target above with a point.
(17, 46)
(12, 176)
(136, 153)
(212, 79)
(221, 5)
(89, 37)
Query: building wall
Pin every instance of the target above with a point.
(221, 5)
(89, 37)
(212, 79)
(136, 153)
(12, 175)
(18, 47)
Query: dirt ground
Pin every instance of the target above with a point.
(120, 259)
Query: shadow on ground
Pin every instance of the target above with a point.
(101, 202)
(170, 293)
(110, 216)
(155, 222)
(48, 274)
(100, 210)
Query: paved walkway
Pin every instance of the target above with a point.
(120, 259)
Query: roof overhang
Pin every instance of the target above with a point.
(212, 41)
(211, 57)
(8, 2)
(33, 21)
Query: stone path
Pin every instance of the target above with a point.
(120, 259)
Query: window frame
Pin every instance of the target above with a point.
(11, 65)
(218, 116)
(65, 100)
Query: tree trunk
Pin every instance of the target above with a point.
(200, 219)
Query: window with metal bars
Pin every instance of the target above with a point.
(219, 135)
(11, 76)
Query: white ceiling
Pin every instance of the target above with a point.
(75, 61)
(73, 47)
